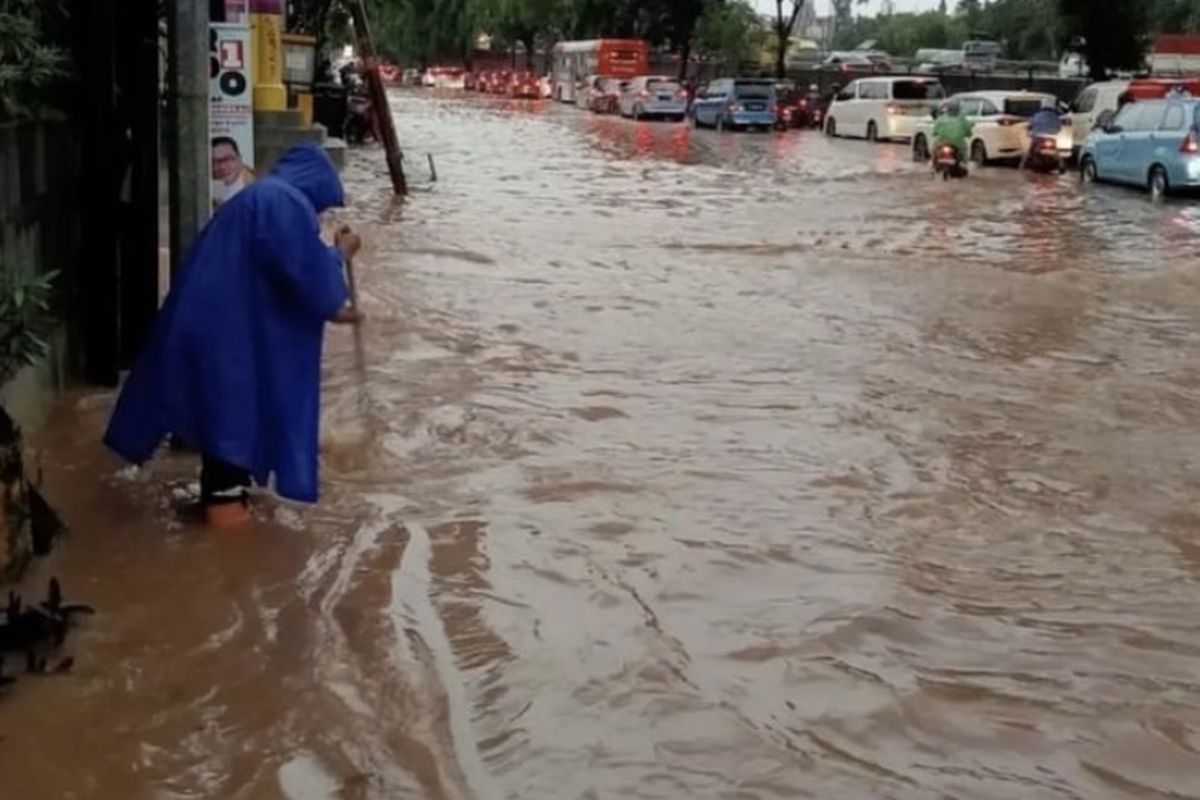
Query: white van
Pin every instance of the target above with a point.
(882, 108)
(1093, 101)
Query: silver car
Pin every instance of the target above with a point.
(654, 96)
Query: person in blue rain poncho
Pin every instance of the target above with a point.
(232, 366)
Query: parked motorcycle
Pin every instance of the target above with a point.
(360, 119)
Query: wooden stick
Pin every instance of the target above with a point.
(360, 353)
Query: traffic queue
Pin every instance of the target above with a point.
(1143, 132)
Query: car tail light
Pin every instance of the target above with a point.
(644, 94)
(734, 108)
(1191, 144)
(803, 104)
(895, 110)
(681, 94)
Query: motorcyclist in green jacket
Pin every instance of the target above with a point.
(954, 129)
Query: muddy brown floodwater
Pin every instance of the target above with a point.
(687, 465)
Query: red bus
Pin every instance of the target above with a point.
(575, 62)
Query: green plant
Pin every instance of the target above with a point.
(25, 318)
(27, 64)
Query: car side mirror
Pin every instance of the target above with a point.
(933, 112)
(1111, 128)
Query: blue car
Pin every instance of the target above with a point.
(736, 103)
(1150, 143)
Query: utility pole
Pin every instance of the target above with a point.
(188, 125)
(379, 98)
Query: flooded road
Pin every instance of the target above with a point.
(685, 465)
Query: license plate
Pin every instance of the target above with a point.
(755, 106)
(666, 98)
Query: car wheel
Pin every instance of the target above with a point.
(1159, 184)
(1087, 172)
(979, 152)
(831, 127)
(872, 132)
(920, 150)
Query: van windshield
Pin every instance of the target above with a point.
(917, 90)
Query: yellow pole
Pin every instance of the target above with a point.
(266, 23)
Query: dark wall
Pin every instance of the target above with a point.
(39, 187)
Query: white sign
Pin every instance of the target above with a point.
(230, 110)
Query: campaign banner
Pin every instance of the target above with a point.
(231, 109)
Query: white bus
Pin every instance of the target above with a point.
(981, 55)
(574, 62)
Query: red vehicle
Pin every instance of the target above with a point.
(390, 73)
(500, 82)
(604, 95)
(483, 81)
(525, 85)
(1158, 88)
(469, 81)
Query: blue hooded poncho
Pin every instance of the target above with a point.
(233, 364)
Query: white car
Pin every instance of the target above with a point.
(882, 108)
(1001, 126)
(1093, 101)
(654, 96)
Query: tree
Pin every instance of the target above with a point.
(28, 65)
(731, 32)
(1113, 31)
(1175, 16)
(783, 24)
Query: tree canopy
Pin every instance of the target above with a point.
(1113, 33)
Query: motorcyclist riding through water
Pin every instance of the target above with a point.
(1045, 122)
(952, 129)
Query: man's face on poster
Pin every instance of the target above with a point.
(226, 163)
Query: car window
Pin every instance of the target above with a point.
(987, 108)
(1124, 117)
(970, 107)
(663, 86)
(847, 93)
(1022, 106)
(753, 91)
(879, 91)
(916, 90)
(1174, 120)
(1150, 116)
(1086, 101)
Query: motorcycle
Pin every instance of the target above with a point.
(360, 118)
(1044, 155)
(948, 163)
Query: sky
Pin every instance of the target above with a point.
(823, 6)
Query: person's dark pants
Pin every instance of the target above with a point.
(221, 482)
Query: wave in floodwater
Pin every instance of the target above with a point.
(683, 465)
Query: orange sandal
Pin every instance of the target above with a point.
(228, 516)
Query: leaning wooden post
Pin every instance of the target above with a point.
(379, 100)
